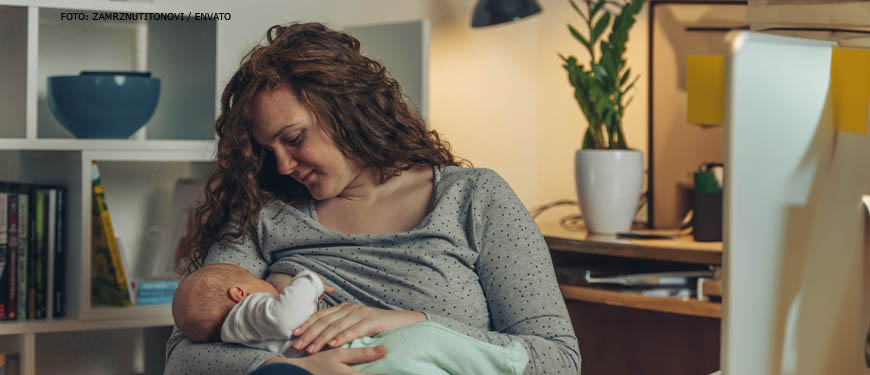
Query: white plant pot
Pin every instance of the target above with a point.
(609, 184)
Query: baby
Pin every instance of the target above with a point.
(224, 302)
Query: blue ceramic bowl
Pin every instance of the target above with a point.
(103, 104)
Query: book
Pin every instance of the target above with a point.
(122, 252)
(108, 277)
(155, 291)
(51, 242)
(59, 295)
(44, 235)
(37, 201)
(155, 300)
(12, 255)
(4, 249)
(23, 248)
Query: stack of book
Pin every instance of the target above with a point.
(31, 251)
(111, 283)
(155, 292)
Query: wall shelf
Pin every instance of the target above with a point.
(683, 249)
(71, 325)
(206, 147)
(638, 301)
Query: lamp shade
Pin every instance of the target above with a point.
(493, 12)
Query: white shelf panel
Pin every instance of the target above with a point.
(114, 318)
(158, 313)
(106, 5)
(170, 150)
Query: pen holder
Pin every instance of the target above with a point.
(707, 219)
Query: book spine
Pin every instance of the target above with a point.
(38, 246)
(157, 285)
(42, 257)
(31, 253)
(155, 300)
(4, 250)
(49, 251)
(109, 278)
(23, 250)
(12, 259)
(155, 293)
(59, 258)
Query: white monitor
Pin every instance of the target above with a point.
(797, 258)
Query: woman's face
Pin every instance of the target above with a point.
(302, 149)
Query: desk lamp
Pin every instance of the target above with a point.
(493, 12)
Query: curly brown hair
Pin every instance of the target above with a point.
(352, 97)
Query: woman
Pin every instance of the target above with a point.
(322, 166)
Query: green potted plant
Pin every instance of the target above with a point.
(609, 175)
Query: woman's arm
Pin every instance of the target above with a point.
(185, 357)
(517, 277)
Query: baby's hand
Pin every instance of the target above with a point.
(326, 287)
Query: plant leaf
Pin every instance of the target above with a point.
(600, 26)
(631, 85)
(576, 8)
(580, 38)
(624, 77)
(589, 138)
(595, 9)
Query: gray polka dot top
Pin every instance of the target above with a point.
(477, 263)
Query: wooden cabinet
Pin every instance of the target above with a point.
(627, 333)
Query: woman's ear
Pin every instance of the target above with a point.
(236, 293)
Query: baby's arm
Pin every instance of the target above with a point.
(262, 316)
(279, 280)
(282, 280)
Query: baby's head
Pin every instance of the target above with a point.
(205, 297)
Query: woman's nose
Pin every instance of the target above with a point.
(286, 163)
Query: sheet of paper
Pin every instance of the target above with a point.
(850, 89)
(705, 86)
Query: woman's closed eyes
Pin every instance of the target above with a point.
(296, 140)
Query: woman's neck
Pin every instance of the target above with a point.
(365, 187)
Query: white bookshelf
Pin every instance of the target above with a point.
(138, 173)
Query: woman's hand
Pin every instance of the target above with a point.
(340, 324)
(336, 361)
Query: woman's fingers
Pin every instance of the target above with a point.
(352, 326)
(362, 355)
(317, 323)
(352, 332)
(335, 362)
(317, 316)
(337, 323)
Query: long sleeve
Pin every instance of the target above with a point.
(516, 274)
(185, 357)
(262, 316)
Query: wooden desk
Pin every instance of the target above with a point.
(626, 333)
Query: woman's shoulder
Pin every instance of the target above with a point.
(456, 173)
(277, 210)
(476, 178)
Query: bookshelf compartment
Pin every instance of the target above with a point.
(142, 199)
(13, 75)
(181, 54)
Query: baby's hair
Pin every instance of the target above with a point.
(201, 303)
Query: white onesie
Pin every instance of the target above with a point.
(266, 321)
